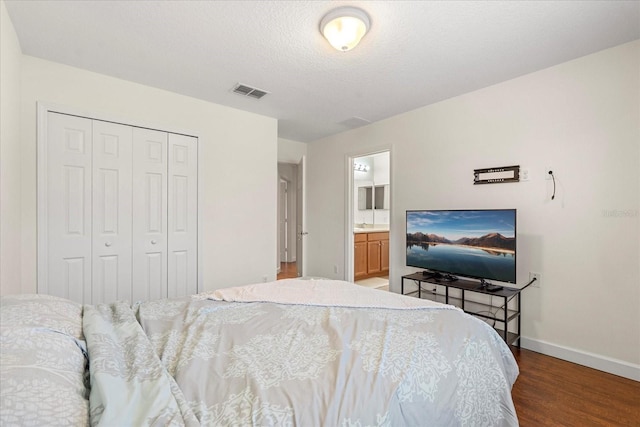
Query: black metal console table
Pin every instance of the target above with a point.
(475, 308)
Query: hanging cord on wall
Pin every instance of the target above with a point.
(554, 185)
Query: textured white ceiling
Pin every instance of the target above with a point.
(416, 53)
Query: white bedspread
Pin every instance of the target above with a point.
(323, 292)
(288, 353)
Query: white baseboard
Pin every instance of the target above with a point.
(591, 360)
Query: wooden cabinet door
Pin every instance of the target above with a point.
(384, 255)
(373, 257)
(360, 264)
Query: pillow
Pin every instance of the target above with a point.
(43, 362)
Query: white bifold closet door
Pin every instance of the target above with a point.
(150, 214)
(121, 212)
(69, 192)
(183, 215)
(111, 212)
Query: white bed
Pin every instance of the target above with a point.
(292, 352)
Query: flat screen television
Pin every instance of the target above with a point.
(479, 244)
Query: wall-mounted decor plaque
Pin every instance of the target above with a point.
(496, 175)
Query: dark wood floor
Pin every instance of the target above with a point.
(553, 392)
(288, 270)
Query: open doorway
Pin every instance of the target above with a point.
(291, 212)
(368, 216)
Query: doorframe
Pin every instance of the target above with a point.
(42, 111)
(301, 217)
(283, 198)
(349, 241)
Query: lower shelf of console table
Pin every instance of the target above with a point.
(506, 316)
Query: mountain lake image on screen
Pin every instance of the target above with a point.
(480, 244)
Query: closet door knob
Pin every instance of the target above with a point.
(153, 242)
(107, 244)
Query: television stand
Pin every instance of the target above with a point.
(500, 314)
(431, 274)
(437, 276)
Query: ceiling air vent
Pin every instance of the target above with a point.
(249, 91)
(355, 122)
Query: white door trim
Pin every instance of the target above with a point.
(283, 226)
(301, 217)
(43, 109)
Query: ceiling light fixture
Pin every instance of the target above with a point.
(344, 27)
(360, 167)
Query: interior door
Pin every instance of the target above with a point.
(182, 216)
(149, 214)
(68, 253)
(111, 217)
(301, 213)
(282, 222)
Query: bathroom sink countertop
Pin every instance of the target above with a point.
(374, 229)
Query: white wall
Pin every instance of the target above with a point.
(238, 158)
(382, 176)
(10, 235)
(381, 168)
(290, 151)
(583, 119)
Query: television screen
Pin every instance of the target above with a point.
(480, 244)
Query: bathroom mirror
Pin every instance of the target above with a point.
(376, 197)
(365, 198)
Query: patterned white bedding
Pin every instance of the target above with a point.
(253, 357)
(43, 364)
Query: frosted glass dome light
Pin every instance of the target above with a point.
(344, 27)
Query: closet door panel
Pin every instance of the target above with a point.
(68, 173)
(112, 210)
(118, 211)
(183, 215)
(149, 214)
